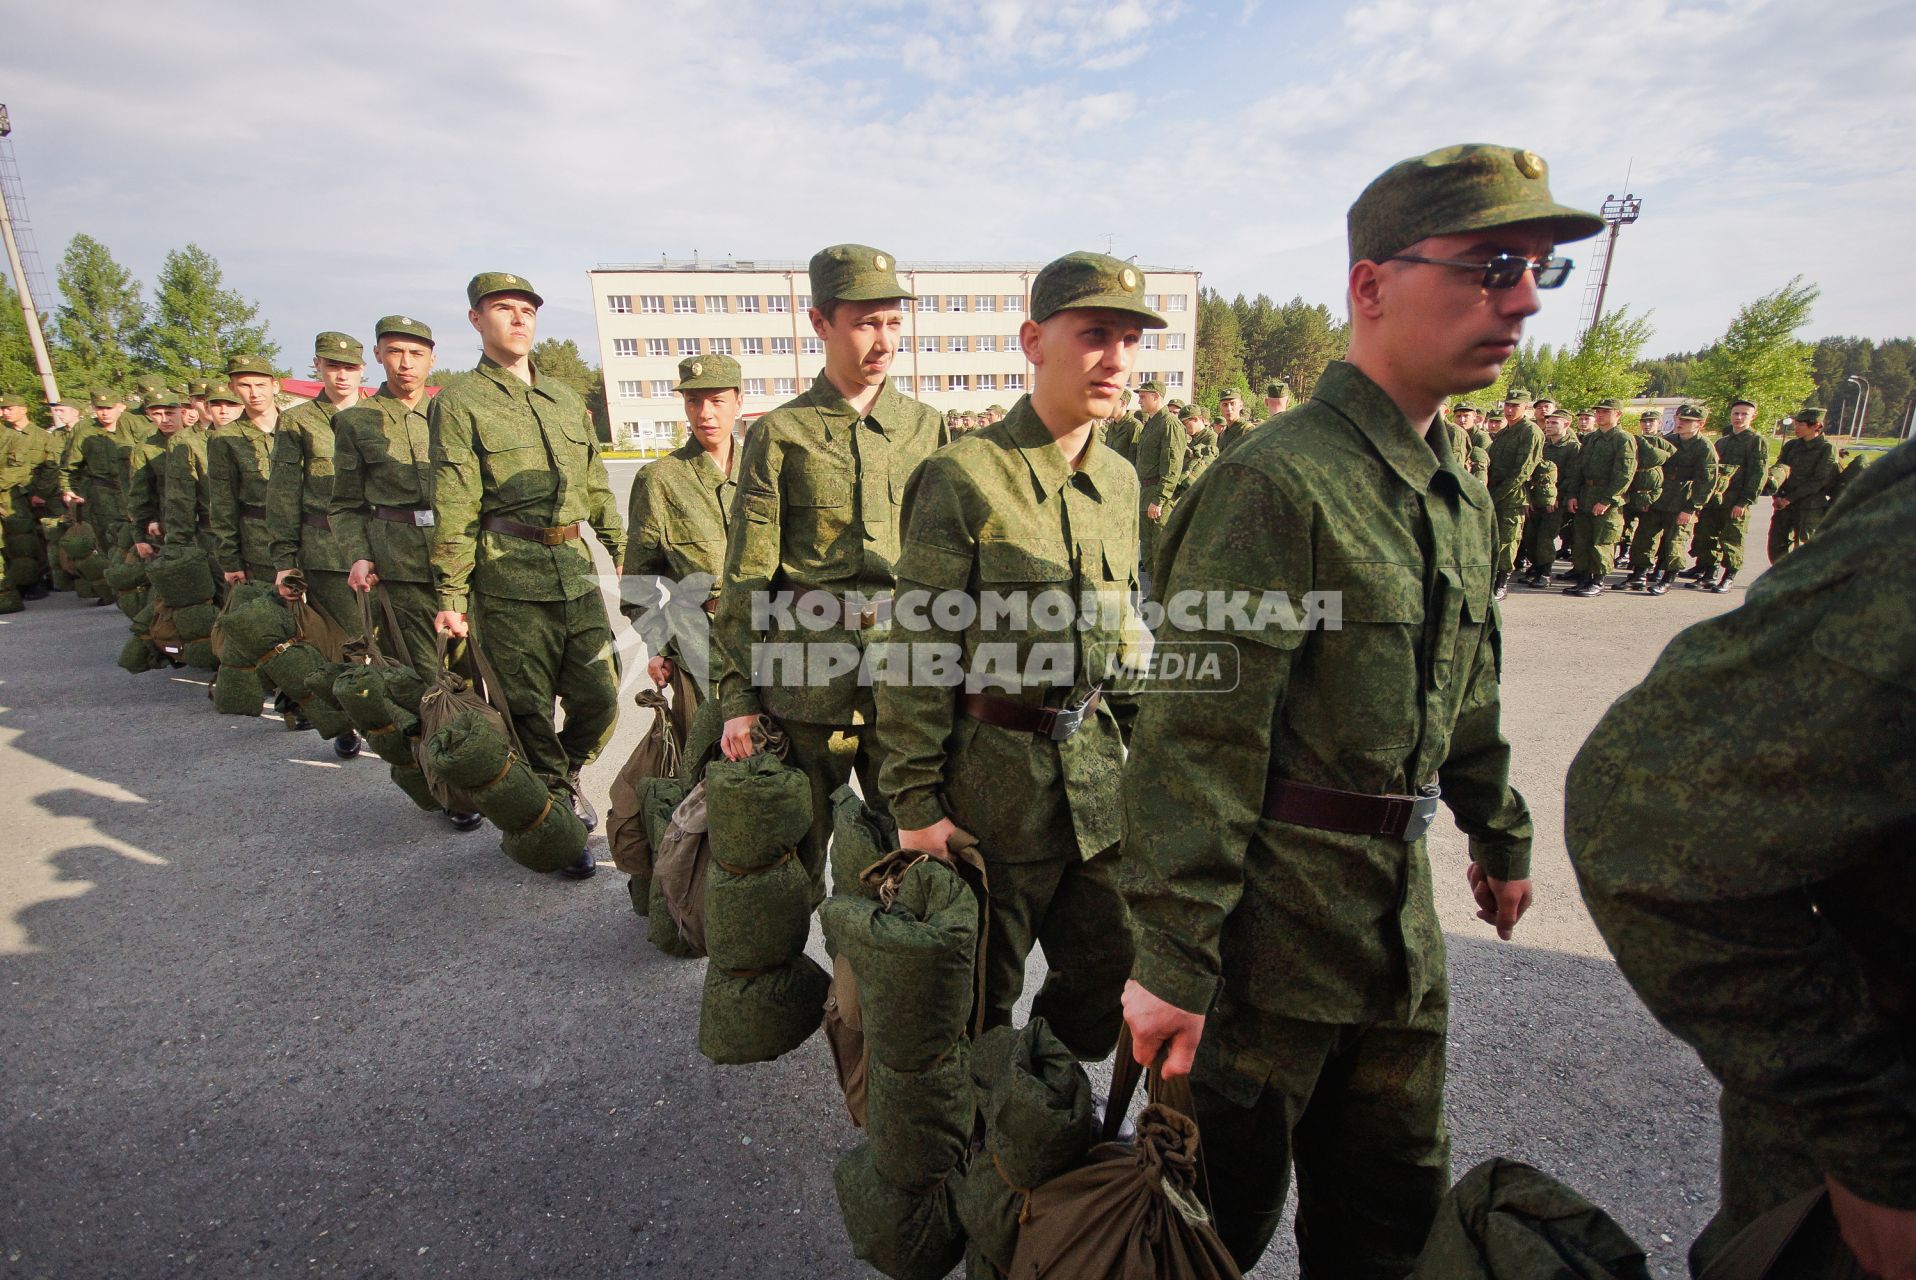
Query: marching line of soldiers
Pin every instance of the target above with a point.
(1241, 880)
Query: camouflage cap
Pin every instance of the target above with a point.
(1463, 406)
(1586, 413)
(708, 373)
(1471, 187)
(221, 392)
(1609, 402)
(340, 348)
(1561, 414)
(994, 408)
(1517, 395)
(855, 273)
(1272, 390)
(8, 400)
(1153, 386)
(1690, 411)
(1740, 400)
(244, 364)
(65, 402)
(1811, 415)
(1190, 411)
(196, 390)
(1229, 394)
(1546, 399)
(163, 398)
(1650, 415)
(487, 283)
(1085, 281)
(107, 399)
(1495, 415)
(1174, 404)
(402, 327)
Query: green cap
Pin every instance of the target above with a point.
(1229, 393)
(1085, 281)
(1812, 415)
(1558, 413)
(10, 401)
(402, 327)
(1517, 395)
(1152, 385)
(1463, 406)
(1585, 413)
(487, 283)
(340, 348)
(1690, 411)
(196, 389)
(150, 381)
(1650, 415)
(1190, 411)
(708, 373)
(1545, 399)
(107, 399)
(855, 273)
(1174, 404)
(236, 365)
(1495, 415)
(1272, 390)
(65, 402)
(1609, 402)
(220, 391)
(163, 398)
(1472, 187)
(995, 408)
(1740, 400)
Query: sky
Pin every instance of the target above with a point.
(365, 159)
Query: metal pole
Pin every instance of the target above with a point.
(39, 341)
(1603, 283)
(1862, 415)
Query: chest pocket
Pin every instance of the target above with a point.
(812, 481)
(515, 457)
(1359, 686)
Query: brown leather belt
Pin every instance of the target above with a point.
(317, 522)
(253, 513)
(549, 537)
(711, 606)
(420, 517)
(1352, 812)
(1056, 723)
(869, 614)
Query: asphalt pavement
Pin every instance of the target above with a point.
(262, 1017)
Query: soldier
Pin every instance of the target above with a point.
(299, 489)
(1586, 422)
(147, 473)
(1200, 450)
(1605, 466)
(1277, 398)
(1763, 911)
(1803, 496)
(1688, 477)
(676, 526)
(1493, 424)
(1515, 452)
(1030, 505)
(185, 511)
(516, 476)
(1232, 425)
(1542, 408)
(238, 461)
(816, 521)
(1547, 493)
(93, 473)
(29, 476)
(1287, 939)
(380, 507)
(1652, 448)
(1122, 434)
(1742, 457)
(1160, 464)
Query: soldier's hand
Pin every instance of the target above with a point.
(1154, 511)
(1779, 503)
(1736, 513)
(1599, 508)
(1684, 517)
(71, 498)
(144, 550)
(279, 582)
(1158, 1025)
(1573, 506)
(1499, 902)
(1882, 1238)
(153, 528)
(361, 576)
(737, 742)
(935, 839)
(451, 623)
(38, 502)
(238, 576)
(661, 671)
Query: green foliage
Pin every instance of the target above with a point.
(1603, 363)
(18, 373)
(195, 323)
(562, 359)
(1219, 358)
(96, 332)
(1888, 367)
(1291, 342)
(1760, 358)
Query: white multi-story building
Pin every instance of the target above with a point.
(960, 348)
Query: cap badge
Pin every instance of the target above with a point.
(698, 370)
(1128, 278)
(1530, 164)
(881, 262)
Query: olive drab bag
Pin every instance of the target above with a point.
(313, 625)
(659, 755)
(452, 693)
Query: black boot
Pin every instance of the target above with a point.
(38, 591)
(582, 869)
(1586, 587)
(346, 746)
(464, 821)
(1635, 581)
(582, 807)
(1694, 573)
(1701, 576)
(1660, 583)
(1722, 585)
(1500, 586)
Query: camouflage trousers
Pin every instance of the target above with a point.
(1509, 536)
(1070, 907)
(329, 592)
(1542, 535)
(1660, 543)
(1794, 525)
(1719, 537)
(1358, 1109)
(1594, 541)
(549, 652)
(1764, 1165)
(414, 605)
(827, 766)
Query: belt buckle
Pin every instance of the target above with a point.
(1067, 722)
(422, 517)
(551, 537)
(868, 617)
(1423, 812)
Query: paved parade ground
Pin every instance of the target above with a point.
(260, 1016)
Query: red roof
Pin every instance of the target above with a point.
(306, 389)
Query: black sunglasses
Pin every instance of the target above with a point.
(1504, 270)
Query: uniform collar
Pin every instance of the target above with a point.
(1376, 416)
(887, 411)
(694, 452)
(510, 381)
(385, 393)
(1051, 471)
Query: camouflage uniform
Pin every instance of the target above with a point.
(1645, 487)
(1003, 512)
(1550, 501)
(1513, 457)
(1317, 955)
(95, 473)
(1741, 458)
(239, 460)
(299, 491)
(382, 488)
(27, 471)
(1813, 471)
(1160, 463)
(1122, 436)
(184, 515)
(527, 456)
(1605, 466)
(1687, 478)
(1765, 909)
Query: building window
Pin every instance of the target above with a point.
(629, 431)
(955, 302)
(721, 346)
(960, 382)
(781, 346)
(1148, 342)
(715, 304)
(619, 304)
(987, 382)
(684, 304)
(985, 342)
(785, 387)
(1174, 380)
(652, 304)
(930, 382)
(631, 389)
(1177, 302)
(926, 342)
(776, 305)
(1014, 382)
(985, 302)
(661, 388)
(688, 346)
(751, 346)
(928, 302)
(658, 346)
(901, 382)
(957, 342)
(1174, 342)
(755, 386)
(1014, 302)
(625, 346)
(804, 302)
(748, 304)
(1014, 346)
(667, 430)
(813, 346)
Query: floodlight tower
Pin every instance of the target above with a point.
(1618, 212)
(10, 189)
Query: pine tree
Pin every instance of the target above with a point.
(96, 331)
(196, 323)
